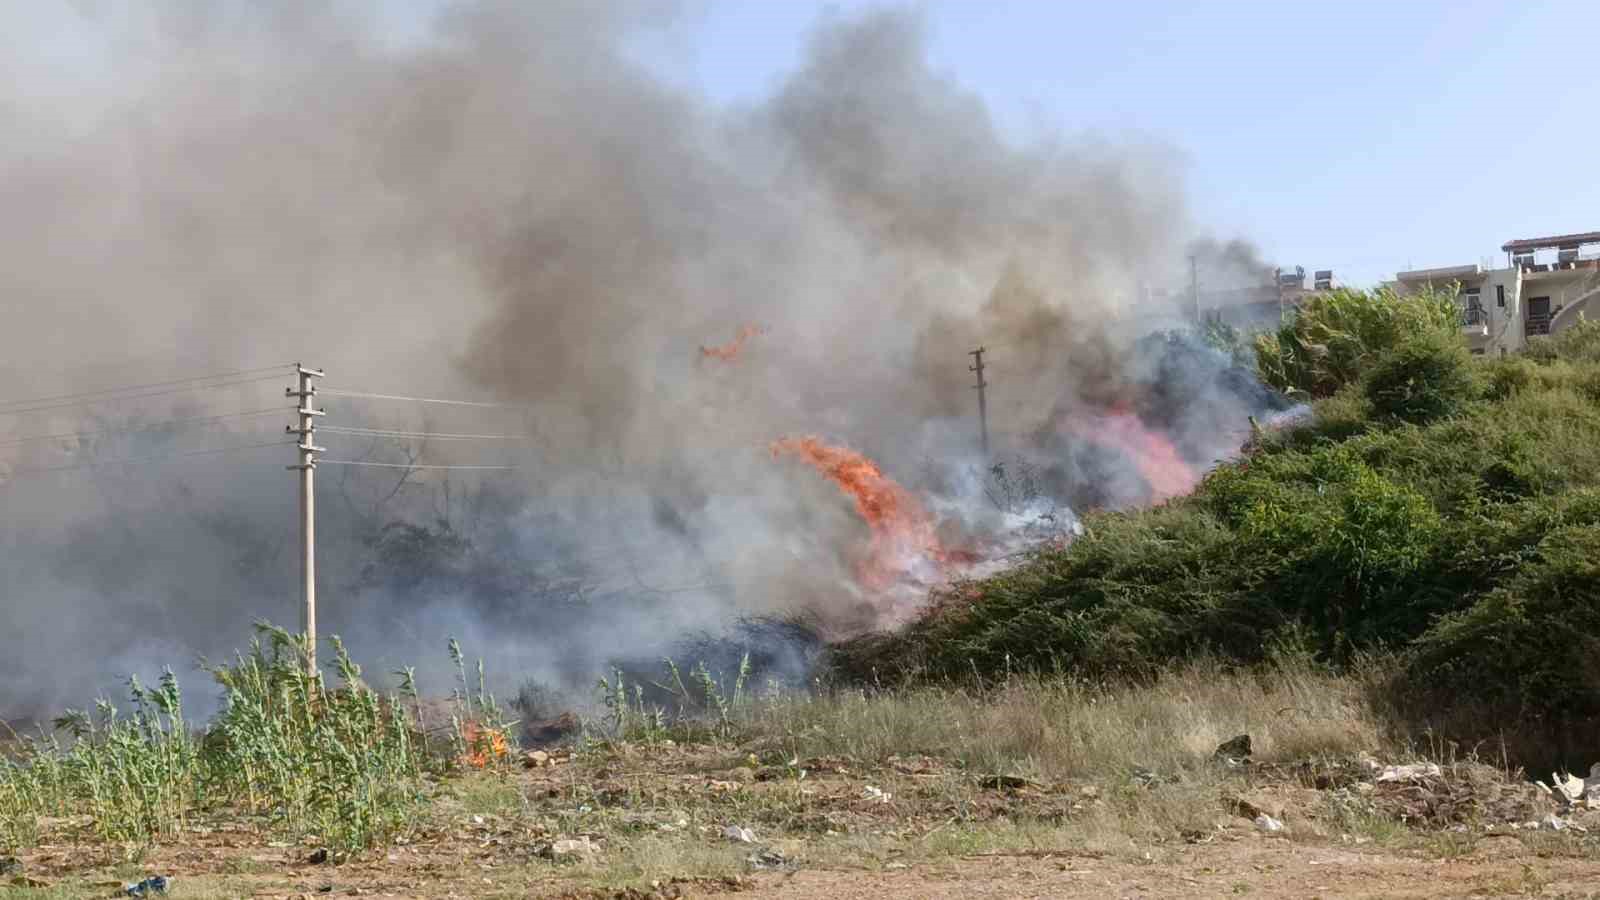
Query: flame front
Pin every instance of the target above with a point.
(730, 351)
(484, 745)
(904, 534)
(1159, 463)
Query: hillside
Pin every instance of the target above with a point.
(1439, 511)
(1316, 672)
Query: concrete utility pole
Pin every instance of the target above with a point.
(983, 405)
(304, 392)
(1194, 287)
(1277, 281)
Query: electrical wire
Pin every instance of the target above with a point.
(330, 392)
(6, 476)
(138, 428)
(447, 436)
(176, 390)
(354, 462)
(142, 387)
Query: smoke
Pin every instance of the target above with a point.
(1230, 265)
(510, 207)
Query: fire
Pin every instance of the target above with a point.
(484, 745)
(1158, 461)
(904, 534)
(730, 351)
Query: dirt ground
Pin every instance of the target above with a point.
(1277, 869)
(1497, 867)
(631, 822)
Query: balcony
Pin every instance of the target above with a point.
(1475, 321)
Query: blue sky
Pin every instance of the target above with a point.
(1361, 136)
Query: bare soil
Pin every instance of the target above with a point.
(915, 827)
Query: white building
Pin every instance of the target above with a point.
(1256, 307)
(1548, 285)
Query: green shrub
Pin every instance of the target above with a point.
(1427, 377)
(1334, 336)
(1437, 505)
(343, 764)
(1580, 343)
(1533, 645)
(1508, 375)
(1238, 345)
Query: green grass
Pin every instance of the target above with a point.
(298, 757)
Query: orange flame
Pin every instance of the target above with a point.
(1158, 461)
(730, 351)
(484, 745)
(903, 532)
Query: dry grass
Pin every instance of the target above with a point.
(802, 771)
(1051, 729)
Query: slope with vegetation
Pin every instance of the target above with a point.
(1421, 556)
(1439, 510)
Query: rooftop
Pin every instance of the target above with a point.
(1554, 241)
(1445, 273)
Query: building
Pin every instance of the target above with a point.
(1258, 306)
(1548, 285)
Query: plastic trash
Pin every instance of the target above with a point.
(1410, 772)
(156, 884)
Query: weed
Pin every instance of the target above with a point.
(340, 763)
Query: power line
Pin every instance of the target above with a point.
(129, 429)
(353, 462)
(141, 459)
(442, 435)
(141, 387)
(369, 396)
(176, 390)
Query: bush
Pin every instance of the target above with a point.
(343, 764)
(1531, 647)
(1580, 343)
(1508, 375)
(1334, 336)
(1438, 506)
(1427, 377)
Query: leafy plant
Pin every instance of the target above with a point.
(340, 763)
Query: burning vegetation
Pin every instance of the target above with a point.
(730, 351)
(904, 541)
(579, 263)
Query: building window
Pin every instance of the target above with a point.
(1502, 351)
(1472, 313)
(1500, 296)
(1477, 351)
(1538, 315)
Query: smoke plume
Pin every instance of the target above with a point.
(510, 208)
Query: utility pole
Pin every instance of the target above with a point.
(983, 405)
(304, 393)
(1194, 288)
(1277, 281)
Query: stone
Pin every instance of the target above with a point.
(569, 849)
(1268, 824)
(1235, 749)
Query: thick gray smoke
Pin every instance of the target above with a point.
(510, 208)
(1230, 265)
